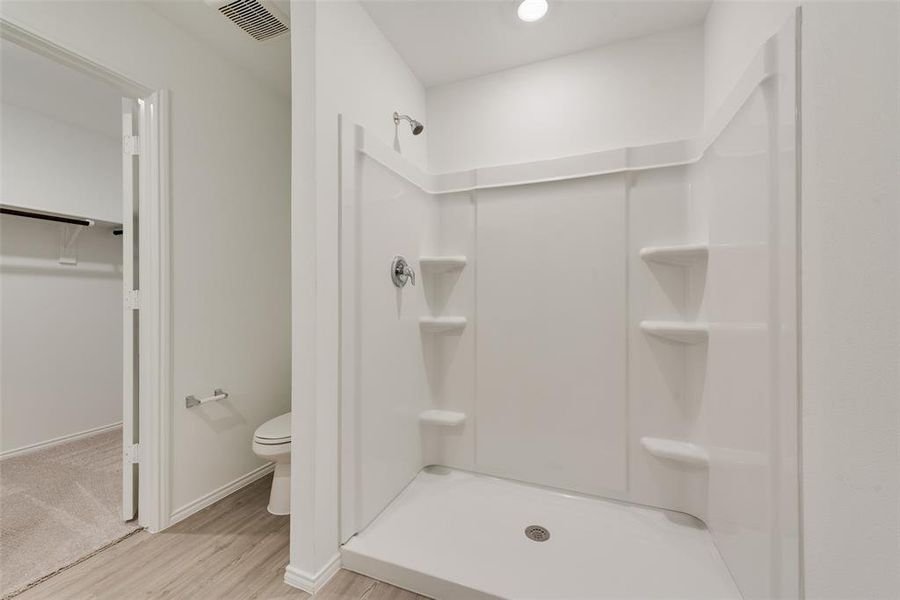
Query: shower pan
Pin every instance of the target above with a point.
(604, 405)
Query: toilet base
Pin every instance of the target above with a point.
(280, 496)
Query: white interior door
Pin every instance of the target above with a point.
(130, 116)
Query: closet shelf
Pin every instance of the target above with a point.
(684, 332)
(441, 324)
(442, 418)
(58, 217)
(684, 452)
(442, 264)
(682, 256)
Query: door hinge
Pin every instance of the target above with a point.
(131, 144)
(133, 299)
(133, 454)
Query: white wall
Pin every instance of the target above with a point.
(61, 325)
(393, 362)
(748, 405)
(342, 65)
(361, 76)
(230, 228)
(61, 332)
(630, 93)
(734, 30)
(550, 281)
(57, 120)
(851, 299)
(54, 166)
(850, 291)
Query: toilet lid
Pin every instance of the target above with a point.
(275, 430)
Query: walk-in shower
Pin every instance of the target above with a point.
(599, 356)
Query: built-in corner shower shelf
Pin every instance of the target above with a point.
(442, 418)
(682, 256)
(683, 452)
(441, 264)
(684, 332)
(442, 324)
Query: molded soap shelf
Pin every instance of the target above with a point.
(684, 452)
(441, 324)
(684, 332)
(442, 418)
(441, 264)
(681, 256)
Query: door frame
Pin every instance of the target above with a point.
(155, 312)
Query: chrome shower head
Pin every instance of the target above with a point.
(414, 125)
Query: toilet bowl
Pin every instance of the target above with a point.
(272, 442)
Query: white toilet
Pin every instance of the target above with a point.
(272, 442)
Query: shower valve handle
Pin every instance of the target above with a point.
(401, 272)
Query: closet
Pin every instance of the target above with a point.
(61, 315)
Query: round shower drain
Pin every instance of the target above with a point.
(537, 533)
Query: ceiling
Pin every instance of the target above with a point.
(269, 62)
(45, 86)
(441, 41)
(449, 40)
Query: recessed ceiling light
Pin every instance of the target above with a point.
(532, 10)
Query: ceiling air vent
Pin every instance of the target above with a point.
(262, 20)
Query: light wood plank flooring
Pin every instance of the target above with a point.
(232, 550)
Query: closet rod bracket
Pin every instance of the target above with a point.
(68, 236)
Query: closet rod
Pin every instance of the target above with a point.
(45, 217)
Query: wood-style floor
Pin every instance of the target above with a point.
(232, 550)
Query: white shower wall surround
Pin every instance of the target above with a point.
(558, 382)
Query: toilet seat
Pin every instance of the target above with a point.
(274, 431)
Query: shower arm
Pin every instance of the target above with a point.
(414, 125)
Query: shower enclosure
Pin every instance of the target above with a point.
(591, 389)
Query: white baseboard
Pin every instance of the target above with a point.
(63, 438)
(311, 584)
(214, 496)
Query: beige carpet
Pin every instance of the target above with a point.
(58, 505)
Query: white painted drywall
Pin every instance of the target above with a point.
(61, 136)
(61, 325)
(230, 158)
(361, 76)
(60, 330)
(342, 65)
(626, 94)
(58, 167)
(56, 90)
(851, 299)
(733, 31)
(310, 451)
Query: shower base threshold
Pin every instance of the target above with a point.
(456, 535)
